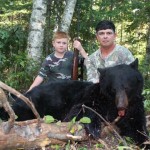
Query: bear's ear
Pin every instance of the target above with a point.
(139, 78)
(134, 64)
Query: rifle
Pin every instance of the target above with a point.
(75, 73)
(75, 64)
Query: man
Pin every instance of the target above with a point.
(109, 53)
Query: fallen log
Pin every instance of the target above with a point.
(28, 136)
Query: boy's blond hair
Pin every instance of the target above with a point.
(60, 35)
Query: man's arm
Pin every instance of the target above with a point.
(128, 56)
(92, 72)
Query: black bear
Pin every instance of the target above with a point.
(54, 98)
(118, 93)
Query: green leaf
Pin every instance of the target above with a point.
(56, 147)
(99, 145)
(73, 120)
(68, 146)
(85, 120)
(124, 147)
(48, 119)
(73, 129)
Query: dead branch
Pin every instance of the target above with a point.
(104, 143)
(109, 125)
(9, 110)
(25, 99)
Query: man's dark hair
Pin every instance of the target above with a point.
(105, 24)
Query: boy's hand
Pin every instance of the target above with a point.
(77, 45)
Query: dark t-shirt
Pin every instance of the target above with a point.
(55, 68)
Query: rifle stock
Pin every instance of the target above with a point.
(75, 64)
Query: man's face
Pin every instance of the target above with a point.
(106, 37)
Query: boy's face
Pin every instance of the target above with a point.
(60, 45)
(106, 37)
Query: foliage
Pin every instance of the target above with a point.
(85, 120)
(12, 57)
(48, 119)
(56, 147)
(73, 129)
(13, 35)
(15, 71)
(124, 147)
(146, 93)
(68, 147)
(130, 17)
(147, 106)
(145, 70)
(99, 145)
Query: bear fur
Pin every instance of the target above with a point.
(120, 89)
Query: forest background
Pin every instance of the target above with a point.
(131, 17)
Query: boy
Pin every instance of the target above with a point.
(59, 64)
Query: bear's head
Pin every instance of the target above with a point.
(123, 83)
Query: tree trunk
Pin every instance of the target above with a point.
(36, 33)
(67, 15)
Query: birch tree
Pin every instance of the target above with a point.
(36, 31)
(67, 15)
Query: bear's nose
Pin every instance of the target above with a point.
(121, 112)
(121, 100)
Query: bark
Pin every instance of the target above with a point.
(36, 33)
(67, 15)
(28, 136)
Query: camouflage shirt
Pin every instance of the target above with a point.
(55, 68)
(120, 55)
